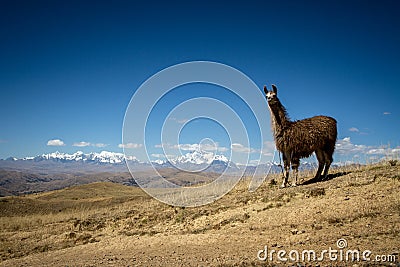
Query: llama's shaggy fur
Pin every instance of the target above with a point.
(299, 139)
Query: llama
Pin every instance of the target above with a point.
(299, 139)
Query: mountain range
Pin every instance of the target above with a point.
(194, 161)
(104, 157)
(59, 170)
(105, 161)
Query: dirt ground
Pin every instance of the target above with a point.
(355, 212)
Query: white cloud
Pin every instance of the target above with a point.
(193, 147)
(386, 113)
(85, 144)
(269, 148)
(211, 147)
(345, 147)
(81, 144)
(55, 142)
(354, 130)
(236, 147)
(222, 149)
(130, 145)
(162, 156)
(187, 147)
(384, 151)
(376, 151)
(99, 145)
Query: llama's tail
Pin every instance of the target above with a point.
(333, 134)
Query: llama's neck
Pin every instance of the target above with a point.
(279, 118)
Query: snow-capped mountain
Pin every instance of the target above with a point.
(197, 157)
(199, 161)
(104, 157)
(194, 161)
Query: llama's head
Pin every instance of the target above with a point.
(271, 96)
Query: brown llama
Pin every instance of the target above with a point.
(299, 139)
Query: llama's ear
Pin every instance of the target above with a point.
(265, 89)
(274, 89)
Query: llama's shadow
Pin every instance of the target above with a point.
(329, 177)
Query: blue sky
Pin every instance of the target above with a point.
(68, 69)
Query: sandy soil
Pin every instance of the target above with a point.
(361, 206)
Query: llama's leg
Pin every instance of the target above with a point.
(286, 163)
(295, 168)
(321, 163)
(286, 176)
(328, 161)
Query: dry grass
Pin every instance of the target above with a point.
(103, 223)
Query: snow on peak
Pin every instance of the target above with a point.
(79, 156)
(110, 157)
(199, 157)
(221, 158)
(158, 161)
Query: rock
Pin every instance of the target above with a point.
(294, 231)
(297, 232)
